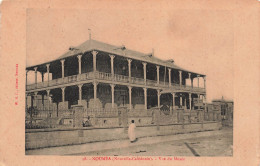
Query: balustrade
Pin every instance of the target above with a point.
(109, 77)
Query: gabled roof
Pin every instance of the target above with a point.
(91, 44)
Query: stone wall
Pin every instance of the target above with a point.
(41, 138)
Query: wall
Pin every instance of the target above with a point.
(42, 138)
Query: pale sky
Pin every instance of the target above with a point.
(198, 40)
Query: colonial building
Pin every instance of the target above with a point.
(100, 75)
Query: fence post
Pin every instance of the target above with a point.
(78, 113)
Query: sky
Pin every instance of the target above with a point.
(197, 39)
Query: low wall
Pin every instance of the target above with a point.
(42, 138)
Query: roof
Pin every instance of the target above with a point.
(91, 45)
(222, 100)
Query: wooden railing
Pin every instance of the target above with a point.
(110, 77)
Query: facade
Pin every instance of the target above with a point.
(102, 76)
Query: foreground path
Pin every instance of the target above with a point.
(209, 143)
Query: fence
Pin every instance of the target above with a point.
(113, 117)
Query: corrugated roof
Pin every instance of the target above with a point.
(90, 45)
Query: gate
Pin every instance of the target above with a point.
(122, 117)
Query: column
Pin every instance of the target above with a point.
(204, 82)
(32, 98)
(180, 77)
(189, 77)
(169, 71)
(145, 98)
(112, 64)
(62, 67)
(80, 93)
(144, 66)
(185, 102)
(35, 99)
(158, 74)
(130, 97)
(95, 93)
(159, 95)
(113, 94)
(48, 96)
(198, 80)
(48, 72)
(26, 103)
(35, 73)
(79, 61)
(63, 94)
(42, 76)
(205, 98)
(94, 53)
(191, 82)
(129, 69)
(173, 100)
(180, 100)
(190, 100)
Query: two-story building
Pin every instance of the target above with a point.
(100, 75)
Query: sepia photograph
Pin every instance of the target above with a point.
(129, 82)
(145, 97)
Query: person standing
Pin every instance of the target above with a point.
(131, 132)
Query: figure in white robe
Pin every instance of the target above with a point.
(131, 131)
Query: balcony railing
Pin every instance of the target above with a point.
(110, 77)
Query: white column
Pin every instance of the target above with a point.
(190, 100)
(95, 93)
(79, 61)
(180, 99)
(62, 67)
(205, 98)
(48, 72)
(63, 94)
(158, 74)
(112, 64)
(180, 77)
(42, 77)
(204, 82)
(189, 77)
(35, 73)
(169, 72)
(129, 69)
(158, 96)
(94, 53)
(80, 93)
(173, 100)
(130, 97)
(144, 67)
(198, 76)
(145, 98)
(35, 98)
(48, 96)
(48, 93)
(113, 94)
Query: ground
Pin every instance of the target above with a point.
(214, 145)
